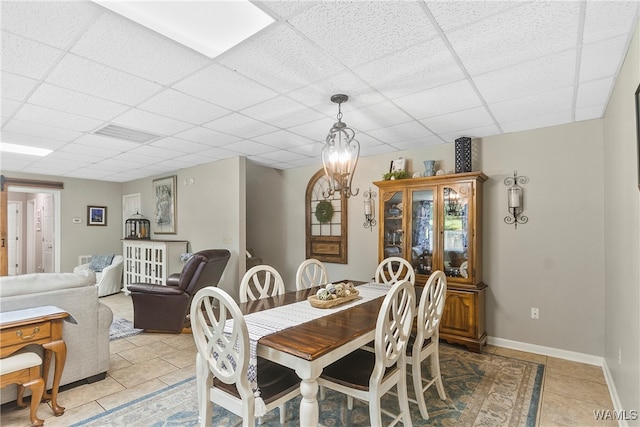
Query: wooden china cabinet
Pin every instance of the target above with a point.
(436, 224)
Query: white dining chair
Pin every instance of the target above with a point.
(261, 281)
(311, 272)
(394, 269)
(425, 342)
(368, 376)
(223, 362)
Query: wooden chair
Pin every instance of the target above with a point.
(259, 282)
(425, 341)
(222, 362)
(24, 369)
(311, 272)
(394, 269)
(368, 376)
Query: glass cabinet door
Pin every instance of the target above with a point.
(422, 243)
(393, 232)
(456, 230)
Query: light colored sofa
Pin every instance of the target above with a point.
(109, 280)
(87, 341)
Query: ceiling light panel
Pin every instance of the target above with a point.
(207, 27)
(23, 149)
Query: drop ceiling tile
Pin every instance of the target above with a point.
(282, 156)
(152, 56)
(55, 23)
(174, 164)
(15, 86)
(400, 133)
(424, 66)
(519, 34)
(140, 159)
(528, 78)
(15, 162)
(116, 164)
(89, 77)
(205, 136)
(151, 151)
(472, 118)
(312, 149)
(602, 59)
(316, 131)
(594, 93)
(538, 105)
(53, 118)
(240, 125)
(286, 9)
(115, 144)
(282, 139)
(171, 103)
(537, 122)
(57, 98)
(180, 145)
(461, 14)
(608, 19)
(476, 132)
(225, 88)
(374, 117)
(80, 159)
(317, 95)
(103, 151)
(590, 113)
(282, 112)
(8, 107)
(43, 131)
(26, 57)
(412, 144)
(376, 150)
(149, 122)
(246, 147)
(347, 31)
(452, 97)
(216, 153)
(281, 59)
(304, 162)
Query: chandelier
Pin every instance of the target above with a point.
(340, 155)
(452, 203)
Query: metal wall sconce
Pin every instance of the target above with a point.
(369, 209)
(515, 199)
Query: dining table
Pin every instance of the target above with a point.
(311, 345)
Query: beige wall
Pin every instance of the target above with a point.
(622, 235)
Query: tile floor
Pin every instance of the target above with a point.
(148, 362)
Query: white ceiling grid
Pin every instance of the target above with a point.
(417, 73)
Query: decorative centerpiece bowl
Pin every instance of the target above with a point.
(333, 295)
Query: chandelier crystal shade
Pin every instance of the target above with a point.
(340, 155)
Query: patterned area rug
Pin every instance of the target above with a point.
(482, 389)
(121, 328)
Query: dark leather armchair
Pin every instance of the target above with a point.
(165, 308)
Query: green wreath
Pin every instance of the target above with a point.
(324, 211)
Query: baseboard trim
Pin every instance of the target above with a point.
(547, 351)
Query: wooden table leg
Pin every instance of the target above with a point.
(58, 347)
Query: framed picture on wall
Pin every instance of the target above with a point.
(96, 215)
(398, 165)
(164, 204)
(638, 131)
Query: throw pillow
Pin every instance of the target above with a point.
(100, 262)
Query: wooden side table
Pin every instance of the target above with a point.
(38, 325)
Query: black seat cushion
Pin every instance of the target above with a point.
(274, 381)
(354, 370)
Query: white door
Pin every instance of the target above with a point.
(47, 234)
(14, 237)
(130, 207)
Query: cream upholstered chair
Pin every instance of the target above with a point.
(108, 275)
(222, 362)
(24, 369)
(393, 269)
(259, 282)
(311, 272)
(425, 341)
(368, 376)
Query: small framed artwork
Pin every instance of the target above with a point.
(398, 165)
(638, 130)
(164, 196)
(96, 215)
